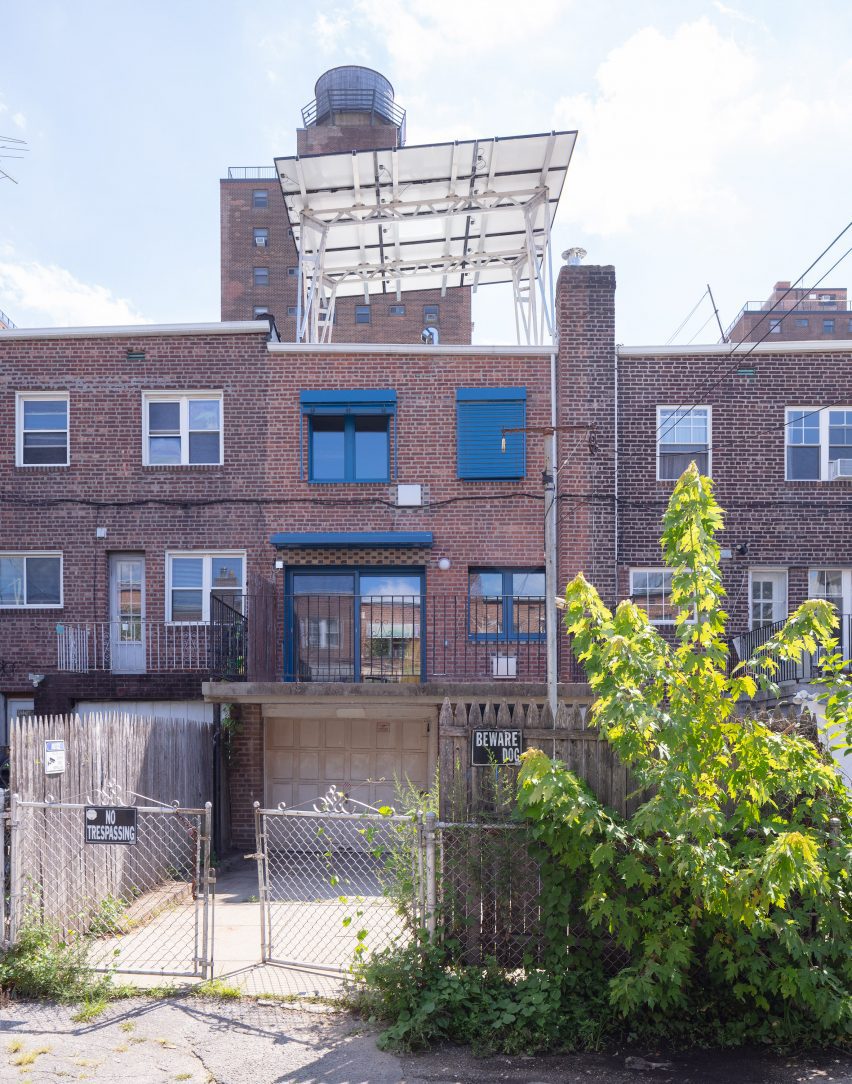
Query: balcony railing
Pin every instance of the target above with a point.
(743, 647)
(331, 638)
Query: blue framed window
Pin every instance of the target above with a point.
(482, 416)
(362, 314)
(351, 435)
(506, 604)
(354, 624)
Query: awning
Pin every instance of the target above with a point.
(313, 539)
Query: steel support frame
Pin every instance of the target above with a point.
(529, 265)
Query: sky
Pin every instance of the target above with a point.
(713, 143)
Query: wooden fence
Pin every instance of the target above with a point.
(471, 791)
(159, 760)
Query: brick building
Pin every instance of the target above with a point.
(794, 315)
(353, 110)
(204, 510)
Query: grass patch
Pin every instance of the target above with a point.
(28, 1057)
(91, 1009)
(127, 1026)
(216, 988)
(14, 1045)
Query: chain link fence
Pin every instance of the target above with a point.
(144, 908)
(335, 886)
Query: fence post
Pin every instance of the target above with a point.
(834, 832)
(3, 886)
(431, 886)
(421, 882)
(208, 878)
(15, 902)
(260, 856)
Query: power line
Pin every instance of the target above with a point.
(685, 321)
(682, 409)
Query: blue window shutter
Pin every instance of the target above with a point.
(482, 414)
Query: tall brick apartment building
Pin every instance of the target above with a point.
(353, 110)
(795, 314)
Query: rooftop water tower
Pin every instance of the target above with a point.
(354, 96)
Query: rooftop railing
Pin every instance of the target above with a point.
(808, 307)
(252, 173)
(378, 104)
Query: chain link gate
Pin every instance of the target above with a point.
(336, 881)
(145, 908)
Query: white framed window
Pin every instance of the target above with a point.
(30, 581)
(832, 584)
(651, 589)
(767, 596)
(182, 428)
(818, 443)
(193, 576)
(683, 435)
(42, 429)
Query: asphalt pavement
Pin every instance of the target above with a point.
(262, 1041)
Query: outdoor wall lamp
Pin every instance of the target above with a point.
(444, 564)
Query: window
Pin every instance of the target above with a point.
(801, 321)
(827, 299)
(292, 272)
(683, 435)
(292, 310)
(261, 276)
(775, 327)
(362, 314)
(819, 443)
(767, 597)
(828, 327)
(192, 578)
(260, 235)
(482, 416)
(349, 434)
(30, 580)
(260, 311)
(506, 604)
(42, 429)
(651, 589)
(260, 197)
(430, 314)
(182, 428)
(849, 328)
(396, 310)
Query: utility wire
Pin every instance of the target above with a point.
(682, 409)
(685, 321)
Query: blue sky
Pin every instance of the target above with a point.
(713, 138)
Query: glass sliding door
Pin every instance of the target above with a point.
(355, 626)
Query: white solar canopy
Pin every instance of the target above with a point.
(425, 217)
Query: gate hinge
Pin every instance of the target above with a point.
(253, 857)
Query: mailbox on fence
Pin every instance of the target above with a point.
(110, 824)
(496, 747)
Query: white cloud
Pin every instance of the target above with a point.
(329, 29)
(42, 295)
(419, 37)
(19, 120)
(679, 124)
(733, 13)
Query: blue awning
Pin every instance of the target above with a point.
(349, 401)
(400, 539)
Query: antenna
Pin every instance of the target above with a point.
(10, 143)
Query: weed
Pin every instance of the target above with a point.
(44, 963)
(14, 1045)
(184, 1076)
(122, 1048)
(126, 1026)
(30, 1056)
(216, 988)
(91, 1009)
(110, 918)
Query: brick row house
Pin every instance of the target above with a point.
(331, 539)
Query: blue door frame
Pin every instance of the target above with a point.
(289, 645)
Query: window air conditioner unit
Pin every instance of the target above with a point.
(260, 242)
(840, 468)
(504, 666)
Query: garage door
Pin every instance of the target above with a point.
(304, 757)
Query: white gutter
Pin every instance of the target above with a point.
(821, 346)
(137, 331)
(411, 350)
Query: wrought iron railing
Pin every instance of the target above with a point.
(743, 646)
(378, 103)
(332, 638)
